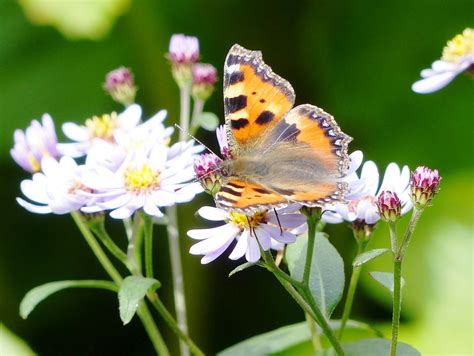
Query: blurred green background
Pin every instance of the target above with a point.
(356, 60)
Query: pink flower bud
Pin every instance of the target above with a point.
(120, 84)
(206, 167)
(389, 206)
(204, 73)
(424, 186)
(183, 49)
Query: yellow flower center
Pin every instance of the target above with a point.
(35, 165)
(461, 45)
(102, 126)
(141, 179)
(245, 221)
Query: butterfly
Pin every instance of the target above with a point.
(278, 154)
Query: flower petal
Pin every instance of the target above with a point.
(241, 246)
(213, 214)
(37, 209)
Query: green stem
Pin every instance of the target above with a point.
(160, 307)
(393, 237)
(185, 106)
(95, 247)
(177, 274)
(143, 312)
(321, 320)
(315, 339)
(302, 295)
(102, 234)
(197, 110)
(397, 277)
(410, 229)
(397, 299)
(134, 251)
(312, 223)
(152, 330)
(148, 222)
(362, 247)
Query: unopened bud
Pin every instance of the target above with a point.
(389, 206)
(204, 78)
(206, 167)
(424, 186)
(120, 85)
(183, 53)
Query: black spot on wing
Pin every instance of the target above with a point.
(265, 117)
(261, 190)
(236, 77)
(235, 185)
(231, 59)
(231, 191)
(238, 124)
(236, 103)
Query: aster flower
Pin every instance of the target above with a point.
(361, 208)
(37, 141)
(424, 186)
(142, 137)
(150, 180)
(458, 56)
(57, 189)
(270, 230)
(120, 85)
(104, 127)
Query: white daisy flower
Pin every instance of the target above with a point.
(142, 137)
(458, 56)
(145, 180)
(56, 190)
(37, 141)
(270, 228)
(104, 127)
(364, 191)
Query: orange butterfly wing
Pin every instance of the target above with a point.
(255, 98)
(236, 194)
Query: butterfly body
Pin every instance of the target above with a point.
(279, 155)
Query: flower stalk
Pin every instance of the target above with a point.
(362, 247)
(397, 277)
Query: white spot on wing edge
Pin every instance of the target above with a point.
(233, 68)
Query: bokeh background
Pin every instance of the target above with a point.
(355, 59)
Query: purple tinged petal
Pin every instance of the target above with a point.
(241, 246)
(214, 242)
(253, 250)
(37, 209)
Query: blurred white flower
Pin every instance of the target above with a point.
(272, 230)
(38, 141)
(147, 180)
(143, 137)
(458, 56)
(98, 128)
(363, 192)
(57, 189)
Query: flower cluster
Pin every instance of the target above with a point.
(458, 56)
(126, 164)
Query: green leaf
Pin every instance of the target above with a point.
(385, 279)
(372, 347)
(132, 291)
(369, 255)
(208, 121)
(294, 340)
(327, 270)
(241, 268)
(38, 294)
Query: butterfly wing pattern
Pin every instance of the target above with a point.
(279, 155)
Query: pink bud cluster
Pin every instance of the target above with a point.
(424, 186)
(389, 206)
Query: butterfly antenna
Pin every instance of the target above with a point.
(278, 219)
(195, 139)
